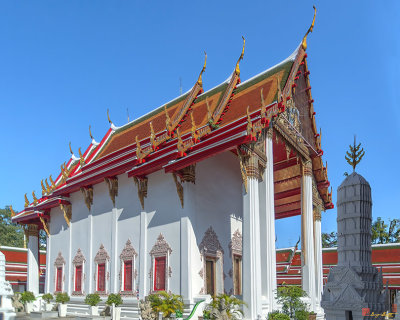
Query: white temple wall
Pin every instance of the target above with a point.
(210, 202)
(80, 238)
(59, 243)
(218, 195)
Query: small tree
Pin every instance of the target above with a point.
(167, 303)
(92, 299)
(27, 297)
(289, 297)
(62, 297)
(47, 297)
(114, 298)
(276, 315)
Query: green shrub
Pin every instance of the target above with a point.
(276, 315)
(27, 297)
(167, 303)
(47, 297)
(224, 303)
(301, 315)
(114, 298)
(62, 297)
(289, 297)
(92, 299)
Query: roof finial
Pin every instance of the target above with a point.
(26, 201)
(34, 198)
(70, 149)
(200, 80)
(43, 187)
(127, 113)
(304, 42)
(356, 154)
(237, 69)
(12, 211)
(108, 117)
(81, 158)
(90, 133)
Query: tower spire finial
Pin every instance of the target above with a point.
(355, 155)
(310, 29)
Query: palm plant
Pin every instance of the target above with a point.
(167, 303)
(223, 306)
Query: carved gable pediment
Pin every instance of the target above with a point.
(161, 246)
(102, 255)
(129, 252)
(79, 258)
(210, 243)
(60, 261)
(235, 245)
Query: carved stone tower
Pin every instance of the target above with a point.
(354, 284)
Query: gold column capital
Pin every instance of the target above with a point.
(317, 215)
(307, 168)
(32, 230)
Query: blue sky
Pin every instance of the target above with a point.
(63, 63)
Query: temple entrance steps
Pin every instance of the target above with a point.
(80, 309)
(130, 312)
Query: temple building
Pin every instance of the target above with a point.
(185, 198)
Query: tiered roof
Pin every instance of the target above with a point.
(194, 126)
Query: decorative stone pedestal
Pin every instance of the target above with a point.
(6, 292)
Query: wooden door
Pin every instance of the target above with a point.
(210, 277)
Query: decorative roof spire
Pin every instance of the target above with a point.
(72, 153)
(43, 188)
(91, 137)
(355, 156)
(34, 198)
(12, 212)
(304, 42)
(81, 158)
(237, 69)
(26, 201)
(200, 80)
(109, 120)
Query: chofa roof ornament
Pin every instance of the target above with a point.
(237, 69)
(304, 42)
(113, 127)
(200, 80)
(91, 137)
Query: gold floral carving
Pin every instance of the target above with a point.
(32, 230)
(45, 225)
(252, 161)
(188, 174)
(141, 184)
(112, 184)
(179, 187)
(67, 211)
(317, 215)
(88, 194)
(307, 168)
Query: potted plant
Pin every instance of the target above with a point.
(93, 300)
(48, 306)
(27, 299)
(178, 315)
(62, 298)
(224, 306)
(166, 303)
(290, 299)
(312, 316)
(277, 315)
(115, 300)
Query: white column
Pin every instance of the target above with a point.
(307, 245)
(69, 261)
(143, 254)
(48, 255)
(33, 259)
(269, 266)
(186, 254)
(114, 245)
(251, 242)
(318, 257)
(90, 259)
